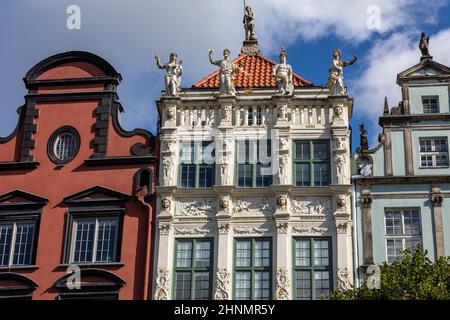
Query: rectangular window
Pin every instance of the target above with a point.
(254, 116)
(312, 268)
(16, 243)
(253, 269)
(197, 164)
(403, 230)
(433, 152)
(311, 163)
(193, 269)
(94, 240)
(253, 163)
(430, 104)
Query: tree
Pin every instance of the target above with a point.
(414, 277)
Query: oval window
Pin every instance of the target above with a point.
(64, 145)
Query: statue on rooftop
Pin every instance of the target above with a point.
(172, 80)
(424, 45)
(227, 71)
(249, 24)
(336, 77)
(364, 139)
(283, 74)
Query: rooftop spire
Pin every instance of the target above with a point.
(386, 106)
(250, 45)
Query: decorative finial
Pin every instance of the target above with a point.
(386, 107)
(424, 45)
(250, 46)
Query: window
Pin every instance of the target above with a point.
(311, 163)
(433, 152)
(312, 268)
(403, 230)
(254, 163)
(63, 145)
(193, 269)
(430, 104)
(197, 164)
(253, 269)
(254, 116)
(16, 243)
(94, 240)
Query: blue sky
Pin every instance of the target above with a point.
(129, 33)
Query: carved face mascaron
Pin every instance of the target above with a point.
(165, 203)
(223, 203)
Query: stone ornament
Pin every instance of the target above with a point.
(227, 71)
(222, 284)
(164, 228)
(307, 229)
(162, 285)
(342, 227)
(282, 202)
(224, 203)
(282, 170)
(224, 228)
(249, 230)
(172, 79)
(282, 227)
(282, 113)
(226, 113)
(167, 170)
(171, 112)
(191, 231)
(336, 78)
(340, 144)
(282, 284)
(365, 169)
(311, 206)
(253, 206)
(341, 201)
(340, 160)
(283, 75)
(194, 208)
(424, 45)
(165, 204)
(249, 24)
(343, 280)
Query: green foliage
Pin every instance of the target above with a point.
(415, 277)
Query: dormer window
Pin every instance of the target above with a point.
(64, 145)
(430, 104)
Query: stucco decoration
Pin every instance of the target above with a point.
(164, 228)
(282, 285)
(342, 227)
(222, 284)
(204, 207)
(283, 75)
(343, 279)
(227, 71)
(191, 230)
(283, 165)
(249, 230)
(340, 143)
(170, 144)
(365, 169)
(168, 170)
(162, 291)
(172, 79)
(308, 229)
(282, 227)
(307, 206)
(253, 206)
(224, 228)
(336, 78)
(340, 160)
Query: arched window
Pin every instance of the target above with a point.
(64, 145)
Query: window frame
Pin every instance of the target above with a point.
(403, 237)
(13, 242)
(253, 163)
(193, 269)
(252, 269)
(430, 98)
(52, 140)
(311, 161)
(77, 214)
(198, 147)
(432, 153)
(312, 268)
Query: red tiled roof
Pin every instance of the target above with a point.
(257, 74)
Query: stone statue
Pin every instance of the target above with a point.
(283, 74)
(172, 79)
(167, 169)
(336, 77)
(227, 71)
(340, 164)
(424, 45)
(364, 140)
(249, 24)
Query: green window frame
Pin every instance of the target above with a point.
(196, 170)
(312, 267)
(193, 266)
(311, 163)
(249, 164)
(252, 274)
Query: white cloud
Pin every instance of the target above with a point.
(385, 60)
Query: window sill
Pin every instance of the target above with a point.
(27, 267)
(92, 264)
(444, 167)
